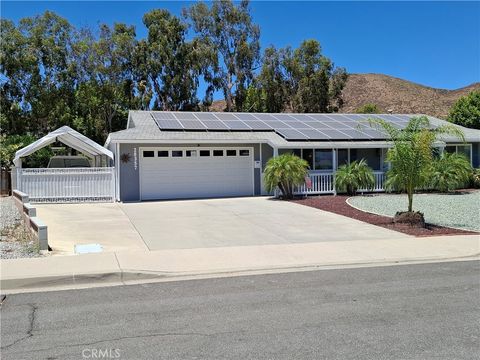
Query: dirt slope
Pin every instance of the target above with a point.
(392, 94)
(399, 96)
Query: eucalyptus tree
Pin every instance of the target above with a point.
(38, 72)
(301, 80)
(228, 32)
(168, 62)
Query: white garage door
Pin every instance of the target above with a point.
(195, 172)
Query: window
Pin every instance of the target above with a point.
(163, 153)
(450, 149)
(217, 152)
(307, 155)
(191, 153)
(149, 154)
(342, 157)
(231, 152)
(465, 150)
(323, 159)
(177, 153)
(371, 156)
(204, 152)
(244, 152)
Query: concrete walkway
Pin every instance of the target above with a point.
(125, 267)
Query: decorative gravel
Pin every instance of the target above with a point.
(460, 210)
(15, 241)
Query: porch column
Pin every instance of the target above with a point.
(334, 157)
(275, 154)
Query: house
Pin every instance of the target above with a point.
(174, 155)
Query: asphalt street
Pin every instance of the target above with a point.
(428, 311)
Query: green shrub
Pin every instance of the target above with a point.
(450, 172)
(368, 109)
(285, 172)
(354, 176)
(475, 178)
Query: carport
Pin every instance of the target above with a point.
(67, 184)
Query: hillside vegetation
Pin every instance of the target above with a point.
(399, 96)
(392, 94)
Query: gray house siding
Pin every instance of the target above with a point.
(129, 172)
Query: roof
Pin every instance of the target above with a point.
(262, 127)
(69, 137)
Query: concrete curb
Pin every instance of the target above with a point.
(126, 277)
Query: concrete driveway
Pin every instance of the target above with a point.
(191, 224)
(242, 221)
(97, 223)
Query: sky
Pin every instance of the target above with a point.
(431, 43)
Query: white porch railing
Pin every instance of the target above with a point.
(323, 183)
(379, 182)
(67, 185)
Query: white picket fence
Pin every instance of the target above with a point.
(67, 185)
(323, 183)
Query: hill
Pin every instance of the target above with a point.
(392, 94)
(396, 95)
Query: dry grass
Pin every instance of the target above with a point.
(390, 93)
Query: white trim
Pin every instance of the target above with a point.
(117, 171)
(191, 141)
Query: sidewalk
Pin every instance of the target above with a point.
(124, 267)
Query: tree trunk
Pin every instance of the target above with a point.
(410, 200)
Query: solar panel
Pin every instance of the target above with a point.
(313, 134)
(265, 117)
(283, 117)
(236, 125)
(356, 134)
(206, 116)
(321, 125)
(163, 116)
(374, 134)
(244, 116)
(192, 125)
(291, 134)
(226, 116)
(290, 126)
(335, 134)
(296, 124)
(257, 125)
(184, 116)
(275, 124)
(215, 125)
(169, 124)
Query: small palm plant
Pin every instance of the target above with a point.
(450, 172)
(411, 154)
(354, 176)
(285, 172)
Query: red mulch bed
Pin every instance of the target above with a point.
(338, 205)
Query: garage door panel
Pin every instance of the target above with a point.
(181, 177)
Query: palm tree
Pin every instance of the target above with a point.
(411, 155)
(450, 171)
(285, 172)
(354, 176)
